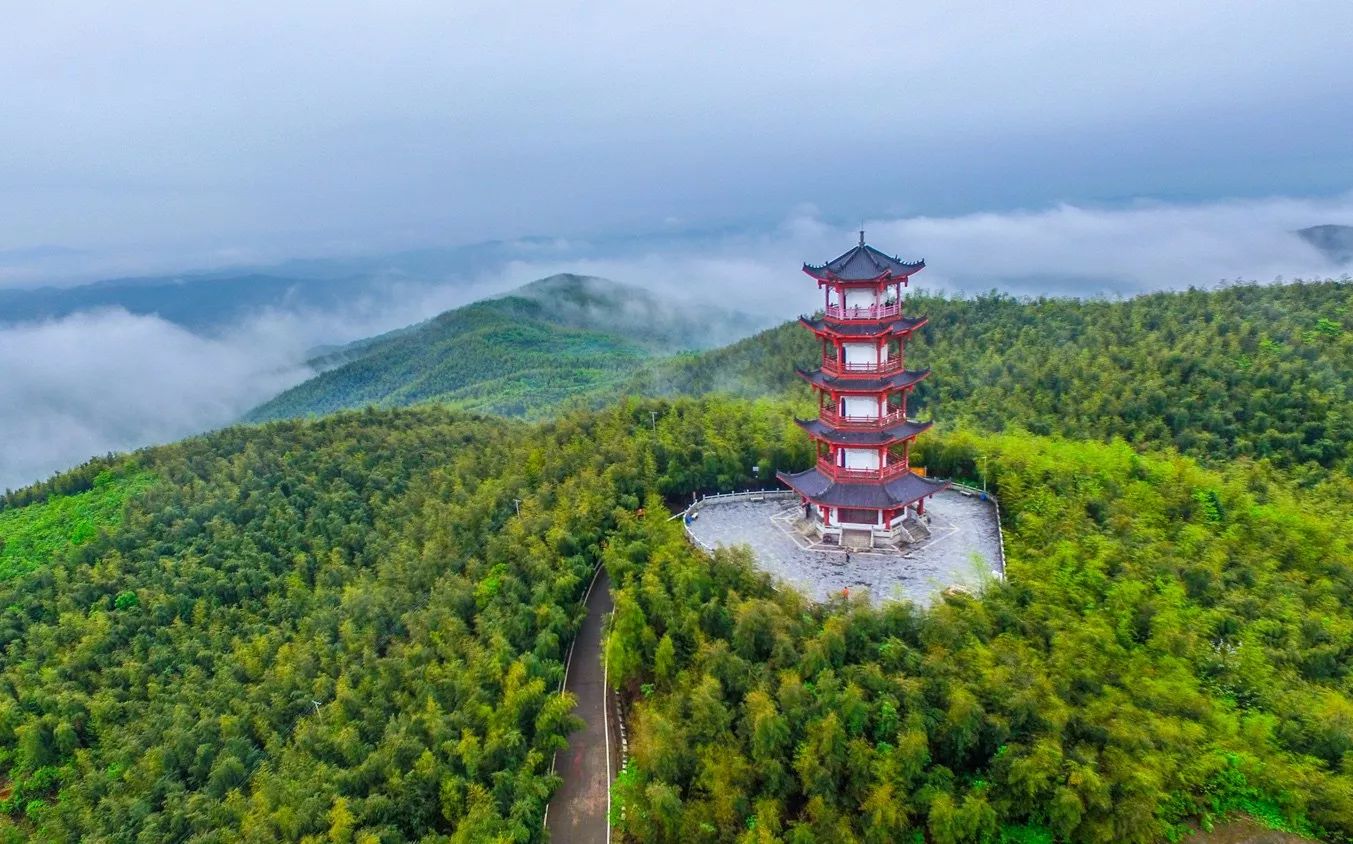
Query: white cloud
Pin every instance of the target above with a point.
(1063, 250)
(111, 381)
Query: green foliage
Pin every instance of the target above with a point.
(343, 629)
(481, 357)
(1025, 834)
(1173, 644)
(32, 534)
(334, 627)
(1249, 370)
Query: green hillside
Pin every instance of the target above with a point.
(1172, 646)
(1250, 370)
(519, 355)
(1259, 371)
(341, 630)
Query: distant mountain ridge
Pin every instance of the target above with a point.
(1269, 371)
(635, 313)
(1251, 370)
(198, 303)
(206, 300)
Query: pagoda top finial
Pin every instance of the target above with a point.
(862, 237)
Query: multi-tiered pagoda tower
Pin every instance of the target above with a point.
(862, 490)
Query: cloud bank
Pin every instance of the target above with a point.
(1065, 250)
(110, 380)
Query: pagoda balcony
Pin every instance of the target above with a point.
(864, 312)
(840, 420)
(836, 368)
(844, 475)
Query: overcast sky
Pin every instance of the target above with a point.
(260, 129)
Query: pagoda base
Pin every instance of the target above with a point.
(864, 515)
(906, 529)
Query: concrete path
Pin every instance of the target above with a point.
(577, 813)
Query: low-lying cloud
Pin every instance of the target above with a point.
(1067, 250)
(110, 380)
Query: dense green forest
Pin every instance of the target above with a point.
(524, 354)
(324, 629)
(341, 630)
(1245, 370)
(30, 536)
(1172, 645)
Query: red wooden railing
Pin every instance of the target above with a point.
(840, 420)
(863, 312)
(832, 366)
(841, 473)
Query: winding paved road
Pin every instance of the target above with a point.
(577, 813)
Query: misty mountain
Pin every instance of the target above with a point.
(1335, 242)
(520, 354)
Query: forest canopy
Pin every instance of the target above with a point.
(341, 630)
(344, 629)
(1262, 371)
(1172, 644)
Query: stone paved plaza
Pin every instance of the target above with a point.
(963, 549)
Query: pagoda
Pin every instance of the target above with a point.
(863, 491)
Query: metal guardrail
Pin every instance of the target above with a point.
(964, 489)
(750, 495)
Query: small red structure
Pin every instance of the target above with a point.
(862, 490)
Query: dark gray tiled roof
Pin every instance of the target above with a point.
(821, 489)
(863, 263)
(891, 434)
(896, 381)
(849, 329)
